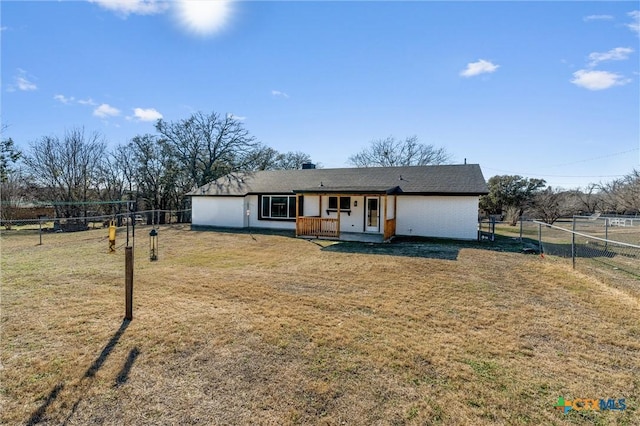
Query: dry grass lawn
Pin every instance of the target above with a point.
(266, 329)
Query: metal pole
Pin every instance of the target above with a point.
(520, 228)
(128, 283)
(573, 243)
(493, 229)
(606, 233)
(540, 238)
(40, 222)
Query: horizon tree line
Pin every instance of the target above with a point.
(82, 176)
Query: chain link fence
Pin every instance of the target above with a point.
(607, 248)
(72, 224)
(597, 246)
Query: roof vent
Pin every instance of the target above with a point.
(307, 166)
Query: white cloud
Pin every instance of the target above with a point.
(598, 18)
(26, 85)
(71, 100)
(479, 67)
(136, 7)
(146, 114)
(617, 54)
(598, 80)
(635, 23)
(236, 117)
(22, 82)
(63, 99)
(279, 94)
(106, 110)
(89, 102)
(203, 17)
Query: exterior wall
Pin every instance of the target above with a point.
(353, 222)
(428, 216)
(253, 220)
(391, 213)
(218, 211)
(438, 216)
(311, 207)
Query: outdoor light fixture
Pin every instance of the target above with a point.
(153, 245)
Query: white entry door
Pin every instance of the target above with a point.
(372, 221)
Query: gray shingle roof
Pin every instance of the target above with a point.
(459, 179)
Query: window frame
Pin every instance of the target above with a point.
(345, 203)
(266, 209)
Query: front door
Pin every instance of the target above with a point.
(372, 221)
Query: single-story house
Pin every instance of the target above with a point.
(371, 204)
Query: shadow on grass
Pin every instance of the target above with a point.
(245, 231)
(106, 351)
(123, 375)
(38, 415)
(428, 248)
(424, 247)
(407, 249)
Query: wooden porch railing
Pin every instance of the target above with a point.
(317, 227)
(389, 228)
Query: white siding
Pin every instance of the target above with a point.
(438, 216)
(218, 211)
(311, 205)
(253, 220)
(391, 213)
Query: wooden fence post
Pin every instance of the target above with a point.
(128, 283)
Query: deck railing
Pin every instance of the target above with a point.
(317, 227)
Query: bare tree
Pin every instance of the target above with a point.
(208, 146)
(67, 169)
(589, 199)
(116, 179)
(630, 192)
(13, 193)
(551, 204)
(612, 198)
(391, 152)
(156, 174)
(265, 158)
(292, 160)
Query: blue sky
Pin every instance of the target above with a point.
(540, 89)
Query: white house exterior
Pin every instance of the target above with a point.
(377, 203)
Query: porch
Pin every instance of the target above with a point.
(353, 216)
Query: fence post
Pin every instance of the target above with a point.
(520, 228)
(606, 233)
(40, 227)
(573, 243)
(540, 237)
(128, 283)
(493, 228)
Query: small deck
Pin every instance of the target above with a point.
(315, 227)
(328, 228)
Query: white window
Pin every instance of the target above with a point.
(278, 207)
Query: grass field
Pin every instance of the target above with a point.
(267, 329)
